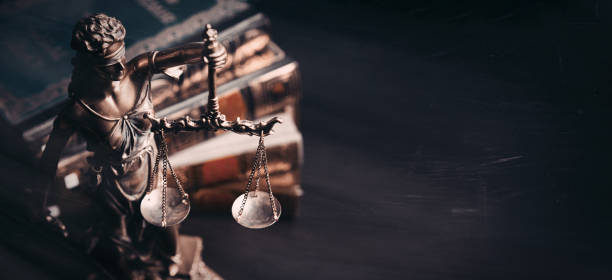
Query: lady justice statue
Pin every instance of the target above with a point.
(110, 106)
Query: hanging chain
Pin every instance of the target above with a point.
(164, 186)
(153, 176)
(260, 159)
(162, 155)
(250, 181)
(258, 176)
(179, 186)
(265, 162)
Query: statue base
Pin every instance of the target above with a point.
(192, 267)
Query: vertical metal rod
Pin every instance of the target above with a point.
(213, 106)
(213, 51)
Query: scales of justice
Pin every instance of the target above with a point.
(111, 107)
(163, 206)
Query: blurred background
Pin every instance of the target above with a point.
(441, 140)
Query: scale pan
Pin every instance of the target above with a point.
(257, 211)
(177, 207)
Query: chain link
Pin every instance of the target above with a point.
(258, 175)
(164, 186)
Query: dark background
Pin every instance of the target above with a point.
(443, 140)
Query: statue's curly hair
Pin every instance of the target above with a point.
(94, 34)
(91, 36)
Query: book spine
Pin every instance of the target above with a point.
(280, 88)
(282, 158)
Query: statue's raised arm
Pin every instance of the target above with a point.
(191, 53)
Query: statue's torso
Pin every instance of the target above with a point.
(118, 134)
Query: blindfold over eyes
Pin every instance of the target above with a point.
(110, 59)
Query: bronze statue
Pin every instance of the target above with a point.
(111, 108)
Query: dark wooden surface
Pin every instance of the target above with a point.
(442, 141)
(455, 143)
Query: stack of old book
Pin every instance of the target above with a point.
(259, 82)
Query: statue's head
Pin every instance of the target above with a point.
(98, 41)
